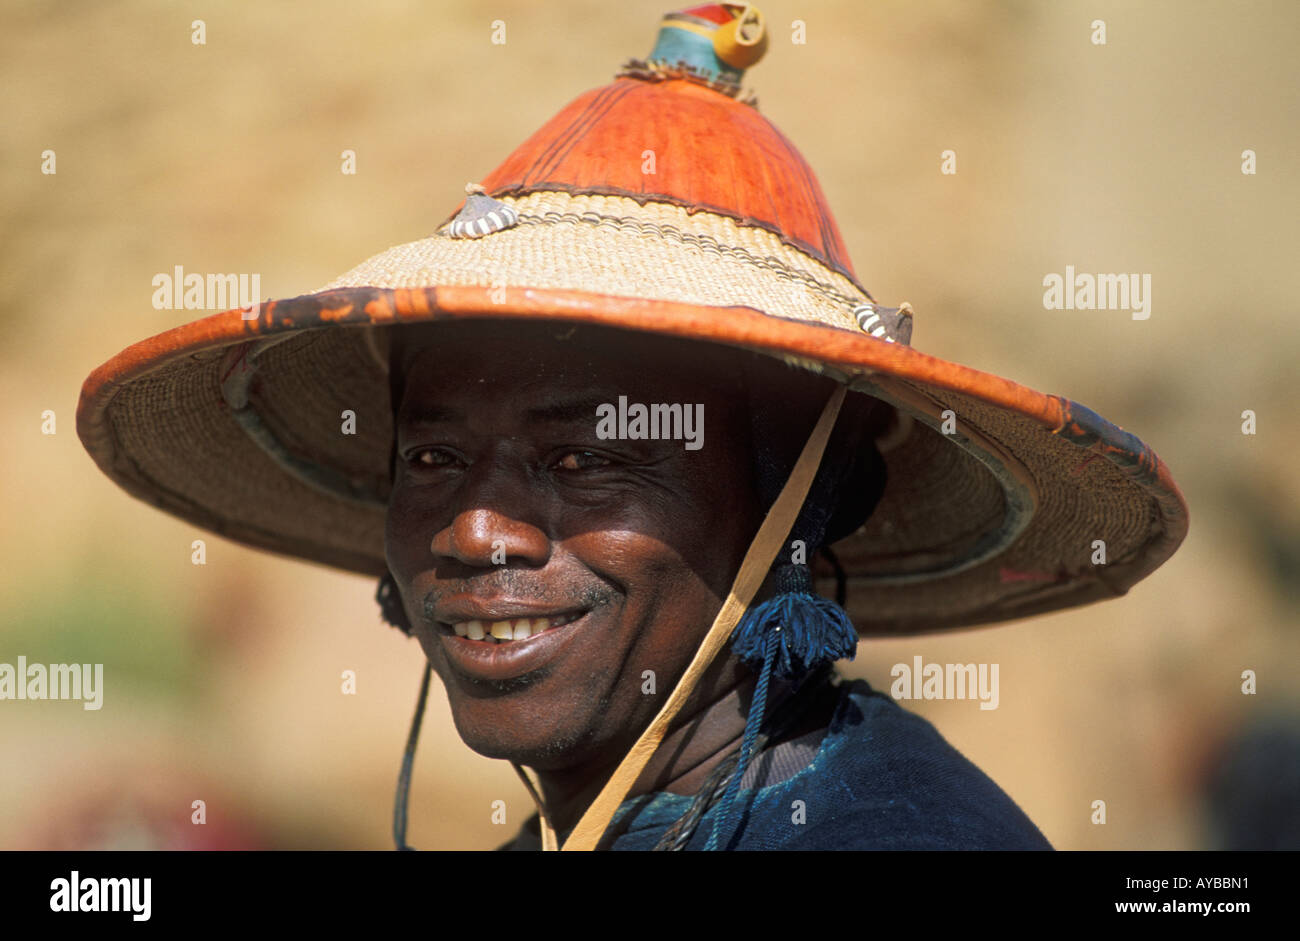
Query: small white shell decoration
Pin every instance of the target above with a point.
(481, 215)
(891, 324)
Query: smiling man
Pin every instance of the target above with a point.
(641, 627)
(543, 568)
(558, 581)
(549, 573)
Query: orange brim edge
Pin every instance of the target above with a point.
(735, 326)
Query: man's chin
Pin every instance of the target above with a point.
(508, 730)
(556, 751)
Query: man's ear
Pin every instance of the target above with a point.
(853, 447)
(392, 454)
(784, 404)
(390, 604)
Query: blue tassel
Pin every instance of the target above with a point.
(789, 634)
(814, 630)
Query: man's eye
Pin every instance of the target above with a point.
(431, 457)
(581, 460)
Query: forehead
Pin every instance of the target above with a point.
(532, 363)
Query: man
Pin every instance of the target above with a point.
(508, 509)
(604, 435)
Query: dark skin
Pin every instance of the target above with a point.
(505, 502)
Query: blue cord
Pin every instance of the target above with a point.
(790, 634)
(725, 822)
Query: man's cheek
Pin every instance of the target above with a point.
(429, 645)
(408, 533)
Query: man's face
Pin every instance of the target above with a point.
(508, 506)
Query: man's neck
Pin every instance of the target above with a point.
(698, 740)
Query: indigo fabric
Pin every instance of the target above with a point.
(883, 779)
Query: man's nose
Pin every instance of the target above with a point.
(488, 529)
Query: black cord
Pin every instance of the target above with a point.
(841, 580)
(408, 763)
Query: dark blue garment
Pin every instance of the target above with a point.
(882, 779)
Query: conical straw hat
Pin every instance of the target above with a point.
(663, 202)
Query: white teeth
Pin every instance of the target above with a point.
(502, 631)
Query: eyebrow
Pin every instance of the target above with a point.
(561, 412)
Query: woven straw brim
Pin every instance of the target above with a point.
(997, 520)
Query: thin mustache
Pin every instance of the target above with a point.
(588, 597)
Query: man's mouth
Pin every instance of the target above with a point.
(508, 630)
(501, 639)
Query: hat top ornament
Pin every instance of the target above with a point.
(712, 44)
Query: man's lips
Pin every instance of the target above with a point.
(495, 658)
(480, 617)
(464, 606)
(499, 629)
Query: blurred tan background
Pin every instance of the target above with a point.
(223, 680)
